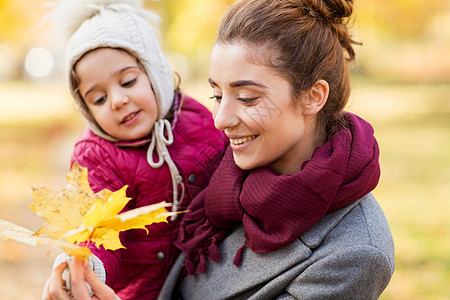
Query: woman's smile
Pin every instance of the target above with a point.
(239, 143)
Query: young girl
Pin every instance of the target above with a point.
(141, 132)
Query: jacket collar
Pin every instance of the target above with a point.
(135, 143)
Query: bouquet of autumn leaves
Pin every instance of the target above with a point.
(77, 215)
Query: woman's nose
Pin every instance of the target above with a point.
(225, 114)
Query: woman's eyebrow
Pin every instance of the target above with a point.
(240, 83)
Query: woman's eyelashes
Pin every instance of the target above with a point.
(216, 98)
(248, 100)
(245, 100)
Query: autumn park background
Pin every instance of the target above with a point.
(401, 84)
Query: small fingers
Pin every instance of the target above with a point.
(45, 294)
(100, 289)
(79, 288)
(54, 287)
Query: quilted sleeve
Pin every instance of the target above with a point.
(103, 173)
(102, 169)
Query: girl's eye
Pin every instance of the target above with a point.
(100, 100)
(129, 82)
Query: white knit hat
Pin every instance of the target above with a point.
(93, 24)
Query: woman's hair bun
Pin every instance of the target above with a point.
(68, 15)
(334, 11)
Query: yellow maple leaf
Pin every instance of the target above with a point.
(78, 215)
(103, 229)
(65, 210)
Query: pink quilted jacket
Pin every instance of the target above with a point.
(138, 271)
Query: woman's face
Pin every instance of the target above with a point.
(255, 109)
(118, 93)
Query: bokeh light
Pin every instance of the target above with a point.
(39, 62)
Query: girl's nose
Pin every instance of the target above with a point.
(119, 100)
(225, 114)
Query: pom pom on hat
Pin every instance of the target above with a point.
(68, 15)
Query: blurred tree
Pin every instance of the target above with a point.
(190, 26)
(18, 33)
(11, 23)
(18, 18)
(400, 19)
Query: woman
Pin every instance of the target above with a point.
(288, 214)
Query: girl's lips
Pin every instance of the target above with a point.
(129, 117)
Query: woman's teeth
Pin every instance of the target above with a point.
(242, 140)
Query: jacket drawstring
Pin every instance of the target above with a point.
(160, 141)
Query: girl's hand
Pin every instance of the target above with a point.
(80, 273)
(53, 288)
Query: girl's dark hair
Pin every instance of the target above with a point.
(303, 40)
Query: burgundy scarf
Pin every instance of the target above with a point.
(276, 209)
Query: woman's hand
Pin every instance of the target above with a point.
(80, 273)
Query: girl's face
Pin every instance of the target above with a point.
(255, 108)
(118, 93)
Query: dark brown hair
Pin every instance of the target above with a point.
(303, 40)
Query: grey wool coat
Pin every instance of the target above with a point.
(348, 254)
